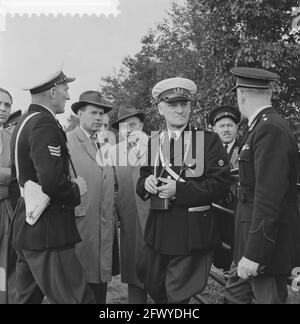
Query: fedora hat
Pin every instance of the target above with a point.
(126, 112)
(93, 98)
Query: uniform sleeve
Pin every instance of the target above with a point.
(213, 184)
(46, 153)
(145, 172)
(271, 160)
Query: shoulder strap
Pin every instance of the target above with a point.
(17, 140)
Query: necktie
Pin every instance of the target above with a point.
(172, 145)
(93, 139)
(226, 147)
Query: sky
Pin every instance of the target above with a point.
(91, 47)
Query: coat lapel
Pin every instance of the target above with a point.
(88, 146)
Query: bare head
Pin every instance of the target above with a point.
(6, 102)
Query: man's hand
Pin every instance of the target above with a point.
(81, 184)
(151, 185)
(247, 269)
(168, 190)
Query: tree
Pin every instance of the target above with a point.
(73, 122)
(202, 40)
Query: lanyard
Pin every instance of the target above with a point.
(166, 165)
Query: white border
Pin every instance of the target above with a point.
(55, 7)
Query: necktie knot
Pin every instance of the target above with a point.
(94, 139)
(172, 136)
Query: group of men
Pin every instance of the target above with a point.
(159, 192)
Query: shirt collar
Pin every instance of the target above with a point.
(52, 113)
(177, 132)
(89, 136)
(255, 114)
(229, 146)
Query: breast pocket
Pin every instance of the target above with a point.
(246, 167)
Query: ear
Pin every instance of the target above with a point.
(79, 114)
(52, 93)
(161, 108)
(215, 129)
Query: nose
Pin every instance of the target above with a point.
(2, 106)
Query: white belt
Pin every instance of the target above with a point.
(199, 209)
(22, 192)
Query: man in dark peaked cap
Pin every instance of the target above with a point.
(267, 240)
(47, 264)
(225, 122)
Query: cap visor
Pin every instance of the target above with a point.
(177, 98)
(69, 80)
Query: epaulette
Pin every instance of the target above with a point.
(264, 118)
(208, 131)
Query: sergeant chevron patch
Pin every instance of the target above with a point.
(55, 151)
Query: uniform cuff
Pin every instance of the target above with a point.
(260, 244)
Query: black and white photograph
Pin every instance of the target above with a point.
(150, 154)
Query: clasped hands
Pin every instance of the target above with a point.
(165, 191)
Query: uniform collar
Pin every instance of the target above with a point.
(255, 114)
(177, 132)
(37, 107)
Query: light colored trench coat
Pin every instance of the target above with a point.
(95, 216)
(132, 211)
(7, 290)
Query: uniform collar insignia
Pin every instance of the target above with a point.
(246, 147)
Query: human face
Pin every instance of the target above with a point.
(91, 118)
(129, 126)
(105, 123)
(60, 97)
(176, 113)
(5, 107)
(226, 129)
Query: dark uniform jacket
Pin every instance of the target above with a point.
(43, 157)
(223, 257)
(178, 231)
(267, 220)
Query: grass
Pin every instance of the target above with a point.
(117, 293)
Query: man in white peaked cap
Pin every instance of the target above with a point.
(180, 232)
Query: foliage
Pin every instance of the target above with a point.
(202, 40)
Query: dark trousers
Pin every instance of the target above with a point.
(173, 279)
(136, 295)
(55, 274)
(100, 292)
(259, 290)
(8, 257)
